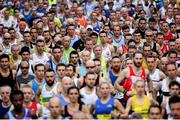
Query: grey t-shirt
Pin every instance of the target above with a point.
(24, 81)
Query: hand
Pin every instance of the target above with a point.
(114, 114)
(129, 93)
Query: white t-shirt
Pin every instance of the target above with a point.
(88, 99)
(7, 23)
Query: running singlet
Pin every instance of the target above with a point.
(141, 108)
(103, 111)
(155, 78)
(33, 107)
(7, 80)
(46, 95)
(128, 84)
(27, 115)
(112, 77)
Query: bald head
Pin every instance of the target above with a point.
(164, 59)
(54, 101)
(90, 63)
(7, 35)
(5, 88)
(66, 83)
(24, 63)
(85, 52)
(55, 107)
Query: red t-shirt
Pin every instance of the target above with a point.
(167, 38)
(164, 49)
(128, 84)
(33, 107)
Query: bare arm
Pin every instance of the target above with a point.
(121, 77)
(16, 84)
(121, 109)
(92, 108)
(162, 75)
(149, 81)
(128, 105)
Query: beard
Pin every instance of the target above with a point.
(138, 64)
(116, 68)
(91, 86)
(50, 83)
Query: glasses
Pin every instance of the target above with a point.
(89, 67)
(24, 67)
(149, 35)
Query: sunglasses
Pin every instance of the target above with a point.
(24, 67)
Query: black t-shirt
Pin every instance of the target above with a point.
(141, 32)
(7, 80)
(79, 45)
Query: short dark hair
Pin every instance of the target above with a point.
(174, 99)
(71, 65)
(130, 41)
(172, 52)
(4, 56)
(160, 33)
(136, 32)
(154, 106)
(90, 73)
(152, 19)
(87, 39)
(115, 57)
(93, 34)
(55, 47)
(38, 65)
(49, 70)
(132, 47)
(16, 92)
(60, 64)
(96, 59)
(11, 29)
(124, 27)
(173, 83)
(25, 32)
(172, 24)
(74, 53)
(103, 32)
(171, 63)
(142, 19)
(146, 45)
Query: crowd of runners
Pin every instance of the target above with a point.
(90, 59)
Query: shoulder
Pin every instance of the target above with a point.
(126, 70)
(14, 72)
(146, 71)
(48, 55)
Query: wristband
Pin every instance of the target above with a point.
(124, 92)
